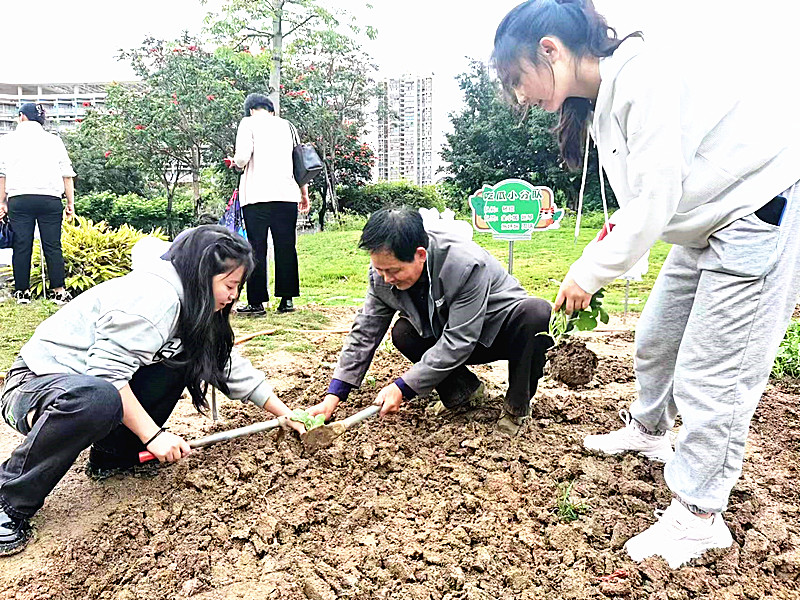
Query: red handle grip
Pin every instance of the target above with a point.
(145, 456)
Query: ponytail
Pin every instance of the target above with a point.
(581, 28)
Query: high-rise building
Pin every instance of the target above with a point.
(65, 104)
(404, 148)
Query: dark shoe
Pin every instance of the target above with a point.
(510, 424)
(22, 297)
(475, 398)
(61, 298)
(286, 305)
(103, 464)
(251, 309)
(14, 534)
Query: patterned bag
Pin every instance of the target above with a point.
(233, 219)
(6, 235)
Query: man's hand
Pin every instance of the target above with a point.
(389, 399)
(572, 296)
(168, 447)
(327, 407)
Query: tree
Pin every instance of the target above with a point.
(90, 150)
(328, 88)
(247, 23)
(491, 142)
(185, 114)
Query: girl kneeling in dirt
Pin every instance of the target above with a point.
(696, 161)
(107, 370)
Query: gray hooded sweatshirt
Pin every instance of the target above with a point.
(113, 329)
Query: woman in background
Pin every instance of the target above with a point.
(35, 172)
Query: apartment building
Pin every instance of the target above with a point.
(404, 149)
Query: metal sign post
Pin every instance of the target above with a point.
(510, 257)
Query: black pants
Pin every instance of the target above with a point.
(516, 342)
(71, 412)
(23, 213)
(281, 219)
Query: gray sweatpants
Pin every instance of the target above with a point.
(705, 345)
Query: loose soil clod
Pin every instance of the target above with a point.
(572, 363)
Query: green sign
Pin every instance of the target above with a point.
(513, 209)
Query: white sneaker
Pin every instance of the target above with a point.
(631, 439)
(679, 536)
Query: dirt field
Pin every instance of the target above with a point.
(414, 507)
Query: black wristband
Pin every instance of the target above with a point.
(158, 433)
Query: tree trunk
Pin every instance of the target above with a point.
(196, 193)
(323, 209)
(277, 57)
(331, 181)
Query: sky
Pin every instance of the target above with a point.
(414, 36)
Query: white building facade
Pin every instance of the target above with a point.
(404, 149)
(65, 104)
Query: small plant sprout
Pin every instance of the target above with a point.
(566, 509)
(309, 422)
(561, 324)
(370, 380)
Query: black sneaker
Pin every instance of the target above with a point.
(14, 534)
(251, 309)
(103, 463)
(22, 297)
(286, 305)
(60, 298)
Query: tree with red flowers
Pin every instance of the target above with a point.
(326, 93)
(98, 169)
(184, 116)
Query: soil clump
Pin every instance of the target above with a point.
(572, 363)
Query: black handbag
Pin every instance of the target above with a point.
(306, 161)
(6, 235)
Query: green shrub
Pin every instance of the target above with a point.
(140, 213)
(93, 253)
(369, 198)
(787, 362)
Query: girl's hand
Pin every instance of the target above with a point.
(287, 423)
(168, 447)
(572, 297)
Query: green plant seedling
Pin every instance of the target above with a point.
(309, 422)
(566, 509)
(561, 324)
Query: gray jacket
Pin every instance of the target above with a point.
(469, 298)
(113, 329)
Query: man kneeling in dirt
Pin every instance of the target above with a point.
(457, 306)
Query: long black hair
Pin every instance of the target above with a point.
(581, 28)
(206, 335)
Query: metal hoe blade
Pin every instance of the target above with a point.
(322, 437)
